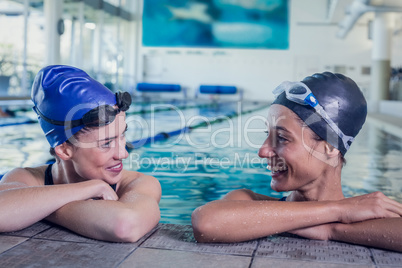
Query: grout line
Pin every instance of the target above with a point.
(138, 246)
(254, 252)
(149, 236)
(50, 239)
(50, 227)
(28, 238)
(25, 236)
(372, 257)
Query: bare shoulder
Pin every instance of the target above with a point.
(140, 183)
(25, 176)
(246, 194)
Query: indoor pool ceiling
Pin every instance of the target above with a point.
(333, 11)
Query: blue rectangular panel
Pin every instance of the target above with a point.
(260, 24)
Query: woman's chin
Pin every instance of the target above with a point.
(278, 187)
(114, 179)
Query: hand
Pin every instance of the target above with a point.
(369, 206)
(101, 190)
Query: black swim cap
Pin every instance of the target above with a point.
(341, 99)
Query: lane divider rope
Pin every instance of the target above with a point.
(142, 111)
(166, 135)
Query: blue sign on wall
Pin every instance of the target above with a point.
(248, 24)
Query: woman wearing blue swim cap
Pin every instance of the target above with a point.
(86, 190)
(311, 125)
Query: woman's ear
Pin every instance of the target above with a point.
(331, 151)
(64, 151)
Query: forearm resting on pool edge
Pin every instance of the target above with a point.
(381, 233)
(23, 206)
(113, 221)
(241, 220)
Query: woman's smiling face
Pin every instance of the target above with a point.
(99, 152)
(289, 149)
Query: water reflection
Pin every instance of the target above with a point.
(374, 163)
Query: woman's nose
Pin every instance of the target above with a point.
(267, 150)
(121, 152)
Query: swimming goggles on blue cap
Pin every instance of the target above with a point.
(97, 117)
(300, 93)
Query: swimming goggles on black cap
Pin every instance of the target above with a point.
(299, 92)
(100, 116)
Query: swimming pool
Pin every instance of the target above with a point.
(204, 164)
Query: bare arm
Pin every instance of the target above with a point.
(129, 218)
(381, 233)
(24, 201)
(244, 215)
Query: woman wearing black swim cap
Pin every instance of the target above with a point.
(86, 190)
(311, 125)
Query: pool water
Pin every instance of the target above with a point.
(208, 162)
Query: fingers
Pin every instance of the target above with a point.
(394, 207)
(113, 197)
(104, 191)
(369, 206)
(109, 194)
(390, 205)
(392, 215)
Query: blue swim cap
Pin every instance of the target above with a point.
(64, 94)
(342, 101)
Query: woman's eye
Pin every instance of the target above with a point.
(266, 132)
(281, 138)
(106, 145)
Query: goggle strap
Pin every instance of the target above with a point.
(347, 140)
(71, 124)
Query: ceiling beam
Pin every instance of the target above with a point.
(356, 10)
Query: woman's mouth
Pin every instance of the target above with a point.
(275, 170)
(116, 168)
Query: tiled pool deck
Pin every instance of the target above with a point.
(169, 245)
